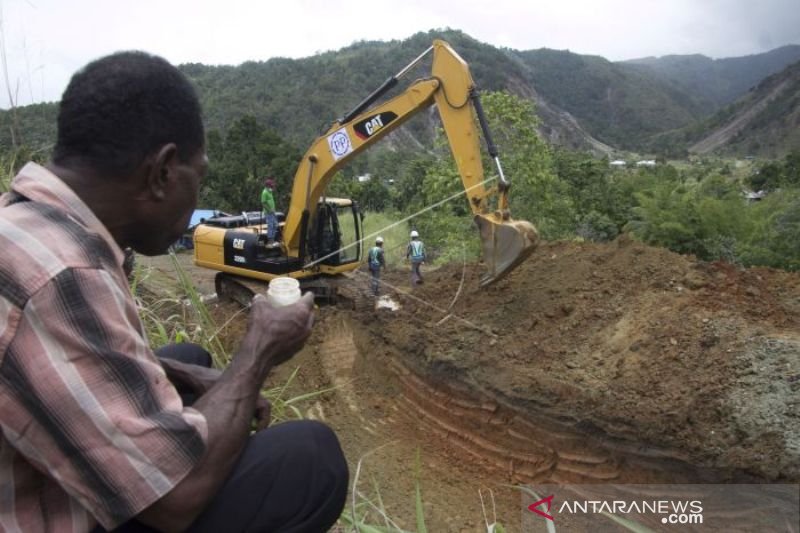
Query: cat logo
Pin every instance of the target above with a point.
(373, 124)
(238, 244)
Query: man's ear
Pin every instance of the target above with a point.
(161, 171)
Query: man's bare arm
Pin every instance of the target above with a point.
(198, 379)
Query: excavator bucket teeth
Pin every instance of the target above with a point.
(505, 244)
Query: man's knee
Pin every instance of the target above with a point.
(321, 447)
(186, 352)
(313, 450)
(291, 477)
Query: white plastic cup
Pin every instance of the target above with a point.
(283, 291)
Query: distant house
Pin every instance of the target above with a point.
(751, 196)
(646, 163)
(364, 178)
(618, 163)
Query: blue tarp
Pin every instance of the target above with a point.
(198, 215)
(201, 214)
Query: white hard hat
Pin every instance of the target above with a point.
(414, 233)
(378, 240)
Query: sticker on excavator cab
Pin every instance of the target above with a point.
(371, 125)
(339, 143)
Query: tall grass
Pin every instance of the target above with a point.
(177, 314)
(7, 166)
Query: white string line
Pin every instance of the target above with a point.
(420, 300)
(406, 219)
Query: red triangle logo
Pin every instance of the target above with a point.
(534, 507)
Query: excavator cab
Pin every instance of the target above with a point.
(338, 233)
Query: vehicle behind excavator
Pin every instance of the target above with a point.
(321, 237)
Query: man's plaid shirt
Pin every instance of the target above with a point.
(92, 430)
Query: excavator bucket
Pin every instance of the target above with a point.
(505, 244)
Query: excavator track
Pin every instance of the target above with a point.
(352, 295)
(239, 290)
(342, 290)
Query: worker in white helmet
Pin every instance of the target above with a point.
(416, 253)
(376, 262)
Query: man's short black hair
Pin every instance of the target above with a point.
(121, 108)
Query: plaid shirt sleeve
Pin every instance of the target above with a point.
(87, 401)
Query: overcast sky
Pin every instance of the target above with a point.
(47, 40)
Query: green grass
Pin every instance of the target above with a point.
(177, 314)
(7, 165)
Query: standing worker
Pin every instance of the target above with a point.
(376, 262)
(268, 205)
(415, 252)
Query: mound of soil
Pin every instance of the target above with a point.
(589, 363)
(592, 362)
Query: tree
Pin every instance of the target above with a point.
(374, 195)
(408, 187)
(767, 178)
(537, 193)
(239, 162)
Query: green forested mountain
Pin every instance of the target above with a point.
(584, 101)
(715, 83)
(299, 98)
(616, 104)
(765, 121)
(35, 127)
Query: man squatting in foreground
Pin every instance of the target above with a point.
(95, 435)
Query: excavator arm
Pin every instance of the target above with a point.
(505, 242)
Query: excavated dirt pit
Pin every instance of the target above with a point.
(590, 363)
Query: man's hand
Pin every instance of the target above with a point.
(275, 334)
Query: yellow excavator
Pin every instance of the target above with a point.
(320, 237)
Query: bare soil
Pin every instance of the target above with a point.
(589, 363)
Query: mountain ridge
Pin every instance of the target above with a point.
(585, 101)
